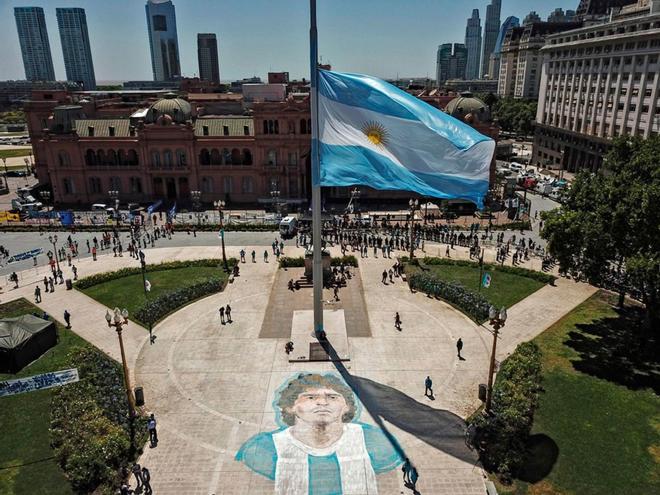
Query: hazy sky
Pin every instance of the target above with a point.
(379, 37)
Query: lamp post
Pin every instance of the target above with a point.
(414, 206)
(496, 320)
(53, 240)
(197, 201)
(143, 266)
(27, 170)
(355, 196)
(4, 162)
(118, 319)
(114, 195)
(275, 196)
(220, 205)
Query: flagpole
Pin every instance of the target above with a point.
(317, 265)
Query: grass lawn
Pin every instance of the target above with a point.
(599, 417)
(15, 153)
(128, 292)
(25, 420)
(506, 289)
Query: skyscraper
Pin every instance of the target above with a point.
(473, 45)
(494, 65)
(491, 30)
(72, 24)
(35, 48)
(207, 57)
(163, 41)
(451, 65)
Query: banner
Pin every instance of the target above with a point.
(27, 255)
(485, 282)
(154, 206)
(7, 216)
(66, 217)
(38, 382)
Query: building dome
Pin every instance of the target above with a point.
(170, 109)
(468, 109)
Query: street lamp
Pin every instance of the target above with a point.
(118, 319)
(4, 161)
(220, 205)
(53, 241)
(143, 266)
(197, 201)
(414, 206)
(27, 168)
(275, 196)
(114, 195)
(496, 319)
(45, 195)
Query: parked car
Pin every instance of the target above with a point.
(16, 173)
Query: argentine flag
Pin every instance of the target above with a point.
(374, 134)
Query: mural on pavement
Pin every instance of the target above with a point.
(320, 448)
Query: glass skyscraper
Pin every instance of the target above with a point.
(35, 47)
(207, 57)
(473, 45)
(163, 41)
(491, 31)
(72, 24)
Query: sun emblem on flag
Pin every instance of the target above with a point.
(376, 133)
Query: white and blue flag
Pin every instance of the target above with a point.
(374, 134)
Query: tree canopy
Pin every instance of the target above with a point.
(609, 225)
(515, 115)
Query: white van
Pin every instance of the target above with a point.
(288, 227)
(99, 207)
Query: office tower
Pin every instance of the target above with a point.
(531, 18)
(72, 24)
(494, 63)
(451, 65)
(558, 15)
(35, 48)
(163, 42)
(207, 57)
(595, 8)
(491, 31)
(473, 45)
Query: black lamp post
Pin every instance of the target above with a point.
(414, 206)
(197, 201)
(275, 196)
(220, 205)
(53, 240)
(496, 320)
(114, 195)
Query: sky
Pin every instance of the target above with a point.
(384, 38)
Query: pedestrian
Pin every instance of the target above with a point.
(406, 470)
(75, 272)
(37, 294)
(447, 252)
(51, 282)
(242, 255)
(67, 318)
(414, 476)
(14, 278)
(228, 313)
(397, 321)
(254, 256)
(124, 489)
(266, 256)
(459, 347)
(88, 247)
(45, 283)
(137, 472)
(151, 428)
(94, 253)
(390, 272)
(428, 384)
(146, 481)
(222, 314)
(336, 292)
(384, 277)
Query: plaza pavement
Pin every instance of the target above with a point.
(211, 386)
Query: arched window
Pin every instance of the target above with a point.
(155, 159)
(63, 159)
(133, 157)
(265, 127)
(247, 157)
(122, 157)
(272, 157)
(216, 159)
(303, 126)
(100, 158)
(236, 156)
(271, 127)
(167, 158)
(204, 157)
(226, 156)
(181, 158)
(90, 157)
(112, 157)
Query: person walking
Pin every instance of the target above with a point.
(146, 481)
(384, 277)
(428, 387)
(390, 272)
(254, 256)
(222, 314)
(228, 313)
(459, 347)
(67, 318)
(51, 282)
(397, 321)
(93, 253)
(137, 472)
(45, 283)
(265, 256)
(242, 255)
(406, 468)
(37, 294)
(447, 252)
(151, 428)
(335, 290)
(75, 272)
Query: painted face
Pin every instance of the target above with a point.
(320, 406)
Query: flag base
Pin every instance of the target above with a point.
(308, 345)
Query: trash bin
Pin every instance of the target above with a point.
(482, 392)
(69, 284)
(139, 397)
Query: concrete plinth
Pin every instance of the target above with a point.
(306, 345)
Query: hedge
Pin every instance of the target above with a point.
(299, 261)
(89, 430)
(514, 270)
(100, 278)
(472, 304)
(520, 225)
(502, 435)
(156, 309)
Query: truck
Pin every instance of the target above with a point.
(288, 227)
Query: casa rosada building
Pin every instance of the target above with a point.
(156, 145)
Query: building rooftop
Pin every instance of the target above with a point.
(216, 126)
(102, 127)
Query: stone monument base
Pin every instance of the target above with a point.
(306, 344)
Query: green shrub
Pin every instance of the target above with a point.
(299, 261)
(289, 262)
(519, 225)
(502, 436)
(347, 260)
(514, 270)
(100, 278)
(472, 304)
(156, 309)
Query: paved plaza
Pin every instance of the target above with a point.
(218, 390)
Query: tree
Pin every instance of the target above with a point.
(609, 225)
(515, 115)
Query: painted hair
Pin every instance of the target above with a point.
(306, 381)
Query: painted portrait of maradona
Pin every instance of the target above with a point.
(321, 447)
